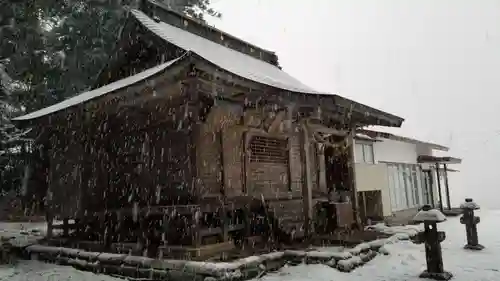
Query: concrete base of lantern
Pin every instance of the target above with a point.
(477, 247)
(436, 276)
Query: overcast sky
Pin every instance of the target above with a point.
(435, 63)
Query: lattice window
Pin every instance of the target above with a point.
(269, 150)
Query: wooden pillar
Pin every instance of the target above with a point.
(50, 223)
(88, 138)
(364, 213)
(49, 215)
(106, 225)
(247, 220)
(165, 224)
(220, 134)
(65, 227)
(246, 161)
(222, 210)
(431, 188)
(25, 190)
(193, 167)
(289, 166)
(224, 223)
(190, 89)
(306, 177)
(142, 233)
(289, 130)
(195, 227)
(352, 178)
(322, 169)
(78, 228)
(439, 188)
(448, 201)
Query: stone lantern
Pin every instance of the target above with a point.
(432, 239)
(470, 222)
(6, 250)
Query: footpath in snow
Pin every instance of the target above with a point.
(404, 262)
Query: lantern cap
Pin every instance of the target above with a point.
(469, 204)
(427, 214)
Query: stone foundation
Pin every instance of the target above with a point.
(242, 269)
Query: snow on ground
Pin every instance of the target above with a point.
(407, 260)
(39, 271)
(24, 233)
(403, 232)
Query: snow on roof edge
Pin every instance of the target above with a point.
(209, 26)
(398, 137)
(101, 91)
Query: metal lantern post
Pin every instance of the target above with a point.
(432, 239)
(470, 222)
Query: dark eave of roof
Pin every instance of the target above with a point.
(438, 159)
(388, 120)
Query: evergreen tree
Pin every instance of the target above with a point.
(53, 49)
(56, 48)
(10, 136)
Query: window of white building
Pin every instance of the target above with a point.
(405, 186)
(363, 152)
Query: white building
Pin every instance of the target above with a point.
(396, 174)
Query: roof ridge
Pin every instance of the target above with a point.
(265, 53)
(163, 6)
(213, 52)
(135, 11)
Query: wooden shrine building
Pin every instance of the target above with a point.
(193, 137)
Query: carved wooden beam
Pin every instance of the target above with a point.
(276, 121)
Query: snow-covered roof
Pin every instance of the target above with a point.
(87, 96)
(230, 60)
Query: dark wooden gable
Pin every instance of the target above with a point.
(137, 50)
